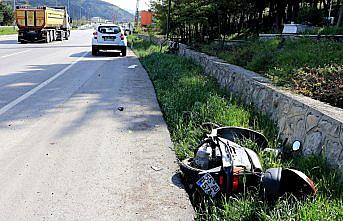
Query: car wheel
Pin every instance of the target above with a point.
(123, 52)
(94, 51)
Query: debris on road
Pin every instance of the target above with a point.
(156, 168)
(132, 66)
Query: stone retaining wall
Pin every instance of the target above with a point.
(317, 125)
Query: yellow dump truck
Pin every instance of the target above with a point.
(42, 24)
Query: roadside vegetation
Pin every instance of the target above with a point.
(188, 99)
(331, 30)
(313, 68)
(6, 14)
(204, 21)
(8, 30)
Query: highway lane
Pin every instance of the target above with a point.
(67, 153)
(25, 66)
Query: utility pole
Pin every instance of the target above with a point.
(80, 13)
(14, 6)
(56, 3)
(68, 7)
(136, 15)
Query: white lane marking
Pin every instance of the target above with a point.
(34, 90)
(9, 55)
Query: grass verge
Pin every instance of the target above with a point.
(8, 31)
(312, 68)
(187, 99)
(331, 30)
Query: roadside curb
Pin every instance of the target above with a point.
(2, 37)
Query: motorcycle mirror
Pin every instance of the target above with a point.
(296, 145)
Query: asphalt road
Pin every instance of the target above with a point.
(67, 152)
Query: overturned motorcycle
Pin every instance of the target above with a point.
(222, 165)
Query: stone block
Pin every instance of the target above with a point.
(330, 126)
(313, 143)
(312, 120)
(333, 150)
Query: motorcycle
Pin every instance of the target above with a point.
(222, 165)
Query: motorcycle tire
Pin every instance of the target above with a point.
(191, 174)
(189, 171)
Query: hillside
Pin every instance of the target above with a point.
(90, 8)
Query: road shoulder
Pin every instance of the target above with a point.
(156, 162)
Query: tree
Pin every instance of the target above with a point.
(199, 20)
(6, 14)
(340, 16)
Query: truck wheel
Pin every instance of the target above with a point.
(62, 35)
(21, 41)
(95, 51)
(67, 35)
(47, 40)
(53, 35)
(123, 52)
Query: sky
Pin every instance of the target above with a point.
(130, 5)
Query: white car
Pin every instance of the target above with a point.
(109, 37)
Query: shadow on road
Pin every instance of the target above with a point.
(44, 46)
(177, 180)
(100, 54)
(100, 85)
(8, 42)
(108, 54)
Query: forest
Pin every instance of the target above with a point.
(200, 20)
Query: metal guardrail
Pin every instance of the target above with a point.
(317, 37)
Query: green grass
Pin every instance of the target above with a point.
(187, 99)
(291, 64)
(8, 31)
(333, 30)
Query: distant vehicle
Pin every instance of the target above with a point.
(42, 24)
(109, 37)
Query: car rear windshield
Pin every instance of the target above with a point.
(109, 29)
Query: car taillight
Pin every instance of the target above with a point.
(122, 37)
(235, 183)
(235, 178)
(95, 34)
